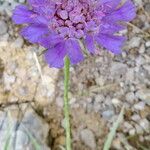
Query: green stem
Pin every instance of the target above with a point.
(66, 103)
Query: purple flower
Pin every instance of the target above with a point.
(58, 25)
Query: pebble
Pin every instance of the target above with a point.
(130, 75)
(9, 79)
(18, 43)
(142, 49)
(145, 124)
(132, 131)
(147, 44)
(147, 7)
(139, 106)
(118, 69)
(134, 42)
(144, 95)
(139, 129)
(72, 101)
(115, 101)
(117, 144)
(87, 137)
(23, 91)
(139, 2)
(100, 81)
(108, 114)
(3, 27)
(130, 97)
(147, 68)
(127, 126)
(140, 60)
(59, 102)
(22, 1)
(99, 98)
(136, 117)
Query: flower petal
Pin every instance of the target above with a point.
(22, 14)
(124, 13)
(89, 43)
(113, 3)
(45, 7)
(37, 3)
(110, 27)
(111, 42)
(55, 56)
(34, 32)
(74, 51)
(109, 5)
(51, 40)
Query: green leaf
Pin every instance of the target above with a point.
(112, 133)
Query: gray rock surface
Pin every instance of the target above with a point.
(3, 27)
(144, 95)
(87, 137)
(22, 133)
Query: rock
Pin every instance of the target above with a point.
(117, 144)
(72, 101)
(144, 123)
(147, 7)
(59, 102)
(3, 27)
(144, 95)
(97, 107)
(23, 91)
(22, 139)
(130, 97)
(139, 129)
(130, 75)
(139, 106)
(22, 1)
(98, 98)
(134, 42)
(108, 114)
(33, 123)
(127, 126)
(18, 43)
(139, 2)
(61, 140)
(87, 137)
(132, 132)
(140, 60)
(142, 49)
(22, 131)
(100, 81)
(145, 113)
(8, 80)
(136, 117)
(118, 69)
(115, 101)
(147, 68)
(147, 138)
(147, 44)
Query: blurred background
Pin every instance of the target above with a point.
(31, 93)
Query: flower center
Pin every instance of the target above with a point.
(75, 18)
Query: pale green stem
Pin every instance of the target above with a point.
(66, 103)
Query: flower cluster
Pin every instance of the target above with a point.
(58, 25)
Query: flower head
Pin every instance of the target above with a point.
(58, 25)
